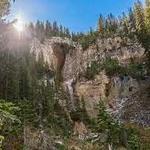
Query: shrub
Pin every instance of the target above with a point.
(92, 70)
(133, 139)
(7, 116)
(111, 66)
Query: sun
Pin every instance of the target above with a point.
(19, 24)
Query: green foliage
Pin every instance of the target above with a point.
(112, 67)
(106, 125)
(147, 15)
(60, 146)
(101, 24)
(134, 25)
(43, 30)
(113, 129)
(92, 69)
(60, 125)
(1, 140)
(139, 17)
(133, 139)
(7, 116)
(135, 70)
(86, 39)
(26, 79)
(7, 110)
(80, 114)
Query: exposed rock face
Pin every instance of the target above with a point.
(54, 52)
(124, 95)
(63, 57)
(129, 100)
(92, 92)
(73, 63)
(80, 130)
(114, 49)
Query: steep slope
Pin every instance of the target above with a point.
(123, 93)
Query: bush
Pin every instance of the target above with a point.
(7, 117)
(111, 66)
(136, 70)
(133, 139)
(92, 70)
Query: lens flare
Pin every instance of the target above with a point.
(19, 24)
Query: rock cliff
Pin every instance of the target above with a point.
(126, 97)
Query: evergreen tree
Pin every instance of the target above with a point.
(131, 24)
(61, 32)
(139, 17)
(55, 29)
(106, 125)
(124, 25)
(140, 25)
(101, 24)
(40, 30)
(67, 32)
(147, 15)
(48, 29)
(31, 28)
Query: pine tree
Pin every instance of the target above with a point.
(131, 24)
(147, 15)
(31, 28)
(140, 25)
(124, 25)
(40, 30)
(55, 29)
(48, 29)
(101, 24)
(106, 125)
(61, 32)
(7, 117)
(139, 17)
(67, 32)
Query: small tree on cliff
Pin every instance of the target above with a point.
(116, 133)
(106, 125)
(140, 24)
(101, 24)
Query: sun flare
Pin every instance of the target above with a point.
(19, 24)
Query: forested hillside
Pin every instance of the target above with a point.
(61, 90)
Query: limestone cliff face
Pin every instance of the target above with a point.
(115, 49)
(92, 92)
(54, 52)
(127, 98)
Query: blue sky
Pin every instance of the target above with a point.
(77, 15)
